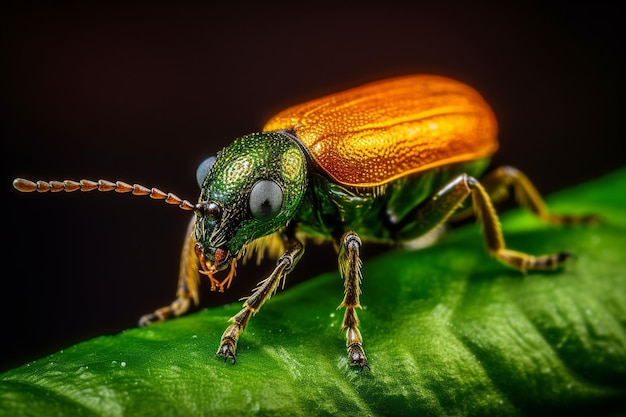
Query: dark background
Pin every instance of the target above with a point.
(143, 93)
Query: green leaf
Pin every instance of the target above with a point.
(447, 331)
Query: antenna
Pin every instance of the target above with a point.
(27, 186)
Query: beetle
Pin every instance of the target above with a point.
(389, 161)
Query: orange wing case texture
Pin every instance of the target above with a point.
(373, 134)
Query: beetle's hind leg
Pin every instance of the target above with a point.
(188, 283)
(350, 270)
(444, 203)
(498, 183)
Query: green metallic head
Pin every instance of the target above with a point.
(252, 189)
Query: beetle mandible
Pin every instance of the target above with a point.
(388, 162)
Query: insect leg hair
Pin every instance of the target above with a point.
(261, 294)
(350, 270)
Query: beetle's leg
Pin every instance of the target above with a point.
(262, 293)
(497, 184)
(443, 204)
(188, 283)
(350, 270)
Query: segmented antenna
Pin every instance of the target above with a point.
(27, 186)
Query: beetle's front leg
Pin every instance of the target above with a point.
(350, 270)
(267, 287)
(188, 283)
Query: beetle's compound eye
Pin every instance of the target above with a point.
(211, 211)
(203, 169)
(266, 199)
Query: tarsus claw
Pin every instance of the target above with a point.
(227, 351)
(357, 357)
